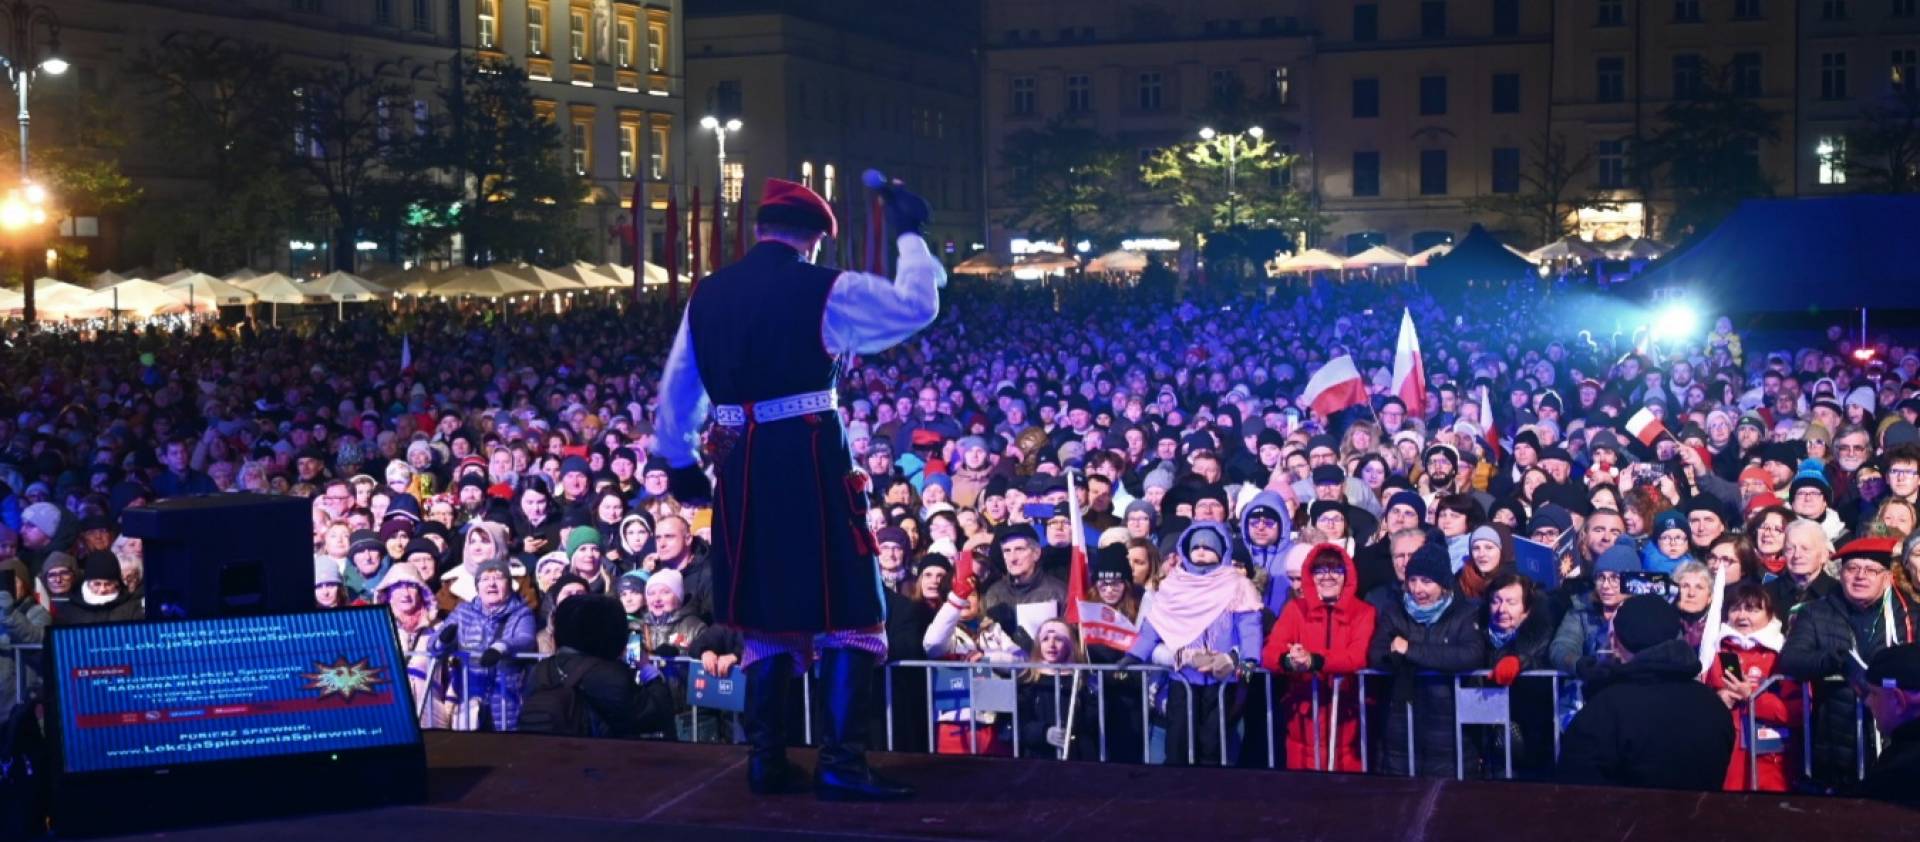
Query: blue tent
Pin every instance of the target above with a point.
(1478, 256)
(1775, 255)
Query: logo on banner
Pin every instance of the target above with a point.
(1107, 627)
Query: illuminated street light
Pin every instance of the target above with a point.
(27, 57)
(720, 131)
(1233, 144)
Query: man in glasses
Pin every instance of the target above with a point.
(1837, 635)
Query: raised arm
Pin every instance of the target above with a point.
(869, 313)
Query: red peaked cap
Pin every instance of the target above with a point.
(785, 202)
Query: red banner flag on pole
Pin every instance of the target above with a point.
(876, 237)
(1077, 568)
(716, 238)
(671, 260)
(638, 222)
(1487, 421)
(1409, 373)
(1336, 386)
(740, 227)
(694, 254)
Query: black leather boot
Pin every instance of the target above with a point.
(846, 678)
(769, 682)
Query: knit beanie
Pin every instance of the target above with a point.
(581, 536)
(632, 581)
(1432, 562)
(670, 579)
(1646, 620)
(1619, 558)
(42, 516)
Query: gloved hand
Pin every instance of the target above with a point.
(1127, 660)
(1008, 620)
(1506, 670)
(963, 582)
(489, 658)
(1057, 737)
(667, 650)
(450, 636)
(1217, 664)
(907, 213)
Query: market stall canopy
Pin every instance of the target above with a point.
(488, 282)
(1311, 260)
(144, 298)
(240, 275)
(1049, 263)
(546, 279)
(1119, 260)
(275, 288)
(1479, 256)
(1776, 255)
(346, 287)
(175, 276)
(1566, 248)
(1379, 257)
(48, 292)
(198, 287)
(107, 279)
(622, 275)
(584, 276)
(415, 281)
(1634, 248)
(1424, 257)
(10, 300)
(984, 263)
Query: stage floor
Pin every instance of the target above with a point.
(515, 788)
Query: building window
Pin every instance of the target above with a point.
(1150, 91)
(1901, 69)
(806, 174)
(623, 44)
(1506, 93)
(1610, 13)
(1366, 22)
(1833, 9)
(1366, 173)
(582, 147)
(827, 182)
(1610, 79)
(1610, 164)
(656, 47)
(1022, 100)
(1746, 74)
(536, 29)
(1433, 18)
(1506, 18)
(1746, 10)
(489, 30)
(1221, 81)
(383, 12)
(1833, 76)
(1689, 75)
(1433, 172)
(1366, 98)
(657, 153)
(1079, 94)
(422, 16)
(1832, 153)
(1686, 11)
(577, 36)
(1433, 96)
(629, 137)
(422, 118)
(1281, 86)
(1506, 170)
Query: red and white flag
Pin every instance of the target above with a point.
(1077, 569)
(1100, 624)
(1336, 386)
(1409, 375)
(1646, 427)
(406, 353)
(1492, 434)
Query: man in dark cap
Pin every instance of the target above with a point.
(1893, 697)
(102, 596)
(1651, 724)
(764, 340)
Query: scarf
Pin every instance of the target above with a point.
(1425, 616)
(1474, 583)
(1499, 638)
(1187, 603)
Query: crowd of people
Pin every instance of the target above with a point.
(1242, 551)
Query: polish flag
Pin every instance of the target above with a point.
(1076, 570)
(1409, 375)
(1492, 434)
(1336, 386)
(1645, 427)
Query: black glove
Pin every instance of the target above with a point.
(689, 484)
(666, 650)
(1004, 616)
(450, 636)
(1127, 660)
(489, 658)
(907, 213)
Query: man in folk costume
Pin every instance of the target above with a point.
(794, 567)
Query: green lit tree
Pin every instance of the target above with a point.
(1704, 153)
(1068, 182)
(1228, 187)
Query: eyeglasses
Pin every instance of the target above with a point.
(1851, 448)
(1903, 473)
(1330, 572)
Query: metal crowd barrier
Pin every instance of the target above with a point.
(16, 652)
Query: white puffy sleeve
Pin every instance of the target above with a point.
(683, 404)
(869, 313)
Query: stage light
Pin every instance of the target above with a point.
(1676, 321)
(1864, 355)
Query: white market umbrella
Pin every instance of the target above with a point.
(1050, 263)
(1119, 260)
(56, 299)
(1565, 248)
(1634, 248)
(1378, 257)
(107, 279)
(343, 287)
(171, 278)
(985, 263)
(275, 289)
(546, 279)
(621, 275)
(487, 282)
(415, 281)
(241, 275)
(200, 286)
(143, 298)
(1420, 259)
(1309, 261)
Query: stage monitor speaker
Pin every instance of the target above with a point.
(225, 555)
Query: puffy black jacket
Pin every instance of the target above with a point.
(1454, 643)
(1651, 725)
(1819, 637)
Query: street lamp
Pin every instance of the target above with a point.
(25, 208)
(720, 129)
(1233, 144)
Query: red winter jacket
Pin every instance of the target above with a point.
(1776, 712)
(1337, 636)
